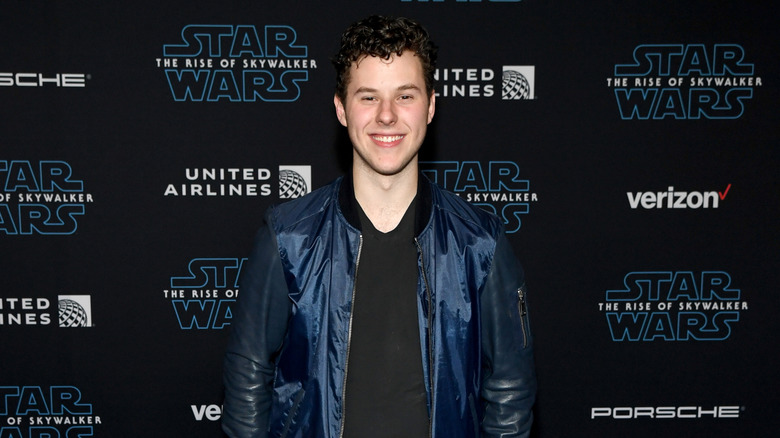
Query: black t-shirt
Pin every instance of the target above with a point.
(385, 392)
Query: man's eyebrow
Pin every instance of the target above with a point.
(409, 87)
(404, 87)
(365, 90)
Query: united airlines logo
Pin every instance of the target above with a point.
(684, 81)
(293, 181)
(45, 411)
(40, 197)
(495, 186)
(202, 298)
(673, 306)
(236, 63)
(510, 82)
(71, 311)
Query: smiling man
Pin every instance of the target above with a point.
(386, 109)
(381, 305)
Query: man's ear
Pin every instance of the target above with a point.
(340, 112)
(431, 106)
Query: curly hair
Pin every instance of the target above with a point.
(383, 37)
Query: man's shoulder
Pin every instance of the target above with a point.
(289, 213)
(449, 203)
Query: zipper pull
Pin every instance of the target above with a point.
(521, 302)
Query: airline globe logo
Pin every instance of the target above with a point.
(203, 297)
(45, 411)
(495, 186)
(294, 181)
(236, 63)
(684, 81)
(40, 197)
(517, 82)
(75, 310)
(673, 306)
(510, 82)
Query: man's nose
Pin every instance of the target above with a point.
(387, 114)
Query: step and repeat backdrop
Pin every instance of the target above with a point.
(630, 147)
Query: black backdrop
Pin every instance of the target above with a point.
(630, 146)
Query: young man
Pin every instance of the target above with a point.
(381, 305)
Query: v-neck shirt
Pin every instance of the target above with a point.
(385, 390)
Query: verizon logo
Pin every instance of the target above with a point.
(676, 199)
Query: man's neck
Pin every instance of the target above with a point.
(385, 198)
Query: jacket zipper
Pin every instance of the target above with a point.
(349, 340)
(523, 312)
(430, 332)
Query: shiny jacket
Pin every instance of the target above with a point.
(289, 348)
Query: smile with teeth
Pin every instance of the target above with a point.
(387, 138)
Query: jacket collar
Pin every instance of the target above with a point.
(349, 205)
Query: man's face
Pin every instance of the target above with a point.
(386, 112)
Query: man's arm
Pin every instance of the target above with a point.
(508, 376)
(259, 326)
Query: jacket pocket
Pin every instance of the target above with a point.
(523, 311)
(293, 412)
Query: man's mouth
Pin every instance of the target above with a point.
(387, 138)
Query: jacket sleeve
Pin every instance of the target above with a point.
(258, 327)
(508, 376)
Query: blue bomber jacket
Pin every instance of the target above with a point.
(286, 360)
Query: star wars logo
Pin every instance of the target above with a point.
(37, 412)
(496, 186)
(40, 198)
(684, 81)
(673, 306)
(241, 63)
(203, 298)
